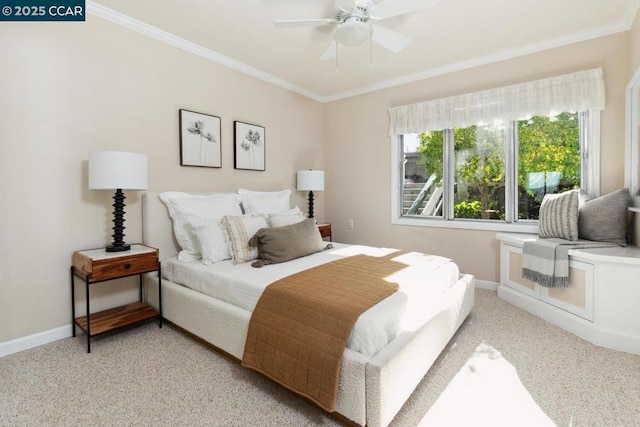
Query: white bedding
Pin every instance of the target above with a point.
(421, 283)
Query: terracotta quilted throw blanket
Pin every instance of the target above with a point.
(301, 324)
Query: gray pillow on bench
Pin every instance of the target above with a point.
(604, 218)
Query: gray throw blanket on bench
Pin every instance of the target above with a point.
(546, 261)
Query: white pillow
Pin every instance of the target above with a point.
(292, 216)
(212, 237)
(239, 230)
(264, 202)
(183, 207)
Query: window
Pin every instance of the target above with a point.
(455, 172)
(543, 152)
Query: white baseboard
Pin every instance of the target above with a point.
(583, 328)
(619, 341)
(561, 318)
(35, 340)
(485, 284)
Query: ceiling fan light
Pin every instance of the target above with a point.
(352, 33)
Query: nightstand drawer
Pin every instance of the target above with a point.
(115, 266)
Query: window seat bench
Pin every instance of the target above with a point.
(601, 303)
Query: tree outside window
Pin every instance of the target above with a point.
(548, 161)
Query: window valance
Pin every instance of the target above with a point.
(580, 91)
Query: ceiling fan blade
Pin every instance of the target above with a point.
(390, 39)
(390, 8)
(344, 4)
(330, 52)
(305, 22)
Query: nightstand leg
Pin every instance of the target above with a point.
(160, 291)
(86, 281)
(73, 306)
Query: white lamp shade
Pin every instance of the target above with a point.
(113, 170)
(310, 180)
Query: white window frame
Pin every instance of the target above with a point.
(579, 91)
(590, 182)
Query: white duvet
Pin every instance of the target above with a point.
(421, 284)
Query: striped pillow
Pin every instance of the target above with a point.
(239, 230)
(559, 216)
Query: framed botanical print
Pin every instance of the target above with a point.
(200, 143)
(249, 152)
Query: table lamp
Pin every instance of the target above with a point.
(116, 170)
(310, 180)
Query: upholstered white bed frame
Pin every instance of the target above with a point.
(372, 389)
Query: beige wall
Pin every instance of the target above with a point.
(71, 88)
(635, 43)
(67, 89)
(358, 149)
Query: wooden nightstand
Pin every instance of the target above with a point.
(98, 265)
(325, 230)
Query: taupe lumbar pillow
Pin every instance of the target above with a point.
(559, 216)
(604, 218)
(281, 244)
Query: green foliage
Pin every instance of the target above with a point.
(432, 152)
(432, 148)
(544, 145)
(467, 209)
(479, 157)
(550, 144)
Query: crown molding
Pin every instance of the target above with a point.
(171, 39)
(485, 60)
(133, 24)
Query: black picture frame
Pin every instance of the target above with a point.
(249, 146)
(200, 139)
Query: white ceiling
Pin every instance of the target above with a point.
(449, 36)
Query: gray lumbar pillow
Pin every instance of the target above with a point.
(280, 244)
(604, 218)
(559, 216)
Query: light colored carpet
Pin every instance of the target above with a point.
(486, 388)
(151, 376)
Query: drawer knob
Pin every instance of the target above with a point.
(127, 266)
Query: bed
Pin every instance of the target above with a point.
(375, 379)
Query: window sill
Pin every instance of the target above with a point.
(466, 224)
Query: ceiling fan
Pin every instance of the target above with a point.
(354, 23)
